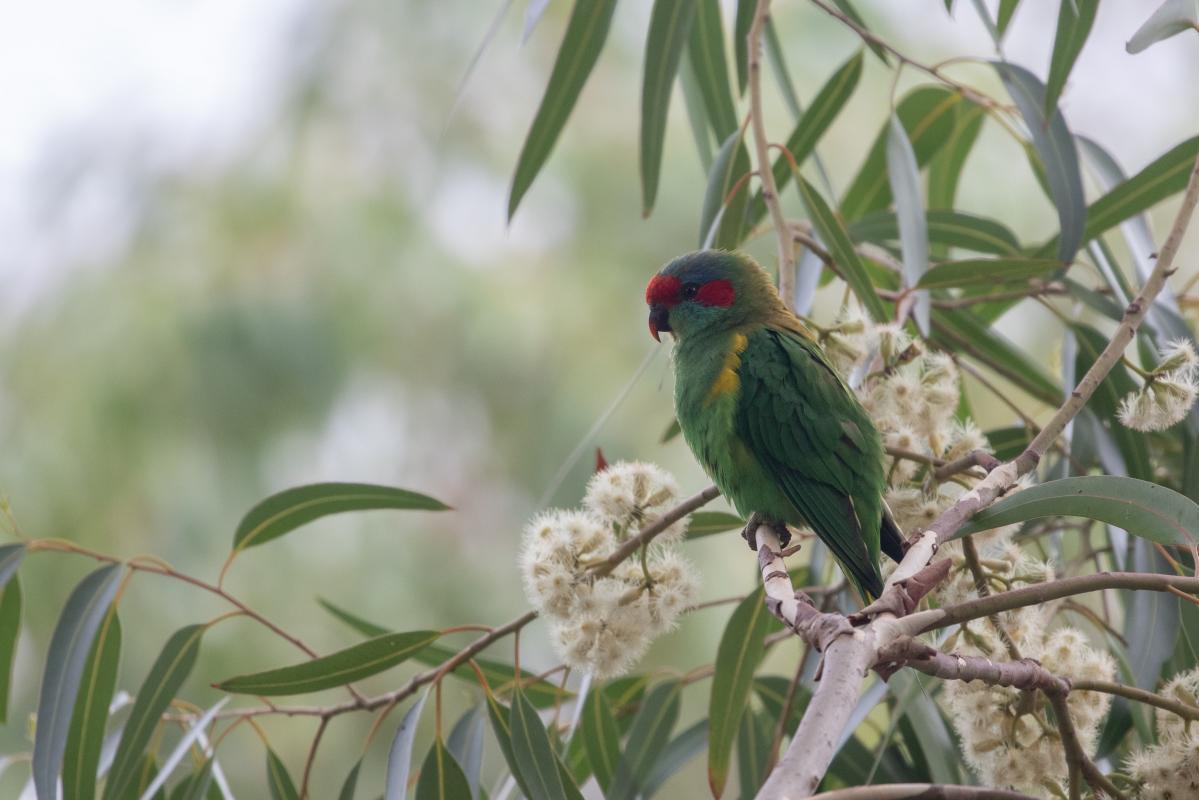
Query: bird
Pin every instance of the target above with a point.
(767, 415)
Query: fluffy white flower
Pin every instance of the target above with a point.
(629, 494)
(1163, 402)
(1178, 355)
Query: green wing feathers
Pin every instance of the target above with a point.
(816, 442)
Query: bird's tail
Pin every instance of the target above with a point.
(891, 538)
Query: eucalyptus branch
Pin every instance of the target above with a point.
(920, 791)
(1077, 761)
(647, 534)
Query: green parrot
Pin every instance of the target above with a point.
(767, 415)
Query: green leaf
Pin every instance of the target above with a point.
(848, 10)
(706, 523)
(351, 783)
(672, 430)
(1008, 442)
(399, 757)
(502, 730)
(706, 49)
(753, 750)
(1166, 176)
(197, 785)
(962, 331)
(10, 558)
(697, 117)
(945, 168)
(441, 777)
(1145, 509)
(740, 652)
(744, 20)
(834, 236)
(363, 626)
(648, 736)
(466, 746)
(1170, 19)
(10, 628)
(337, 669)
(601, 738)
(682, 748)
(278, 782)
(1074, 21)
(945, 228)
(544, 774)
(669, 24)
(987, 272)
(1106, 400)
(192, 733)
(928, 115)
(65, 662)
(170, 669)
(581, 46)
(1054, 145)
(1007, 8)
(909, 209)
(284, 512)
(723, 218)
(86, 738)
(811, 126)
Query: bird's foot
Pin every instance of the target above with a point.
(750, 532)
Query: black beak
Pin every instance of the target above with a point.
(659, 320)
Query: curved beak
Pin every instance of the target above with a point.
(659, 320)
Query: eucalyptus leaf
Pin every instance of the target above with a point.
(723, 217)
(601, 738)
(1074, 21)
(1170, 19)
(945, 228)
(11, 556)
(441, 777)
(399, 757)
(466, 746)
(681, 750)
(543, 773)
(81, 760)
(987, 272)
(909, 209)
(278, 782)
(706, 523)
(706, 49)
(669, 26)
(647, 738)
(10, 629)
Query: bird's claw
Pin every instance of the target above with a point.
(750, 532)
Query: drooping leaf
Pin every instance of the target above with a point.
(363, 626)
(1106, 400)
(669, 26)
(647, 737)
(753, 750)
(706, 48)
(1165, 176)
(544, 774)
(909, 210)
(1152, 619)
(945, 228)
(697, 117)
(812, 125)
(194, 731)
(1010, 442)
(945, 167)
(86, 737)
(706, 523)
(601, 738)
(928, 115)
(10, 558)
(681, 749)
(741, 26)
(350, 785)
(1007, 9)
(167, 674)
(278, 782)
(1170, 19)
(502, 729)
(1056, 151)
(963, 332)
(65, 661)
(849, 11)
(833, 234)
(987, 272)
(441, 777)
(740, 652)
(198, 785)
(722, 225)
(399, 757)
(284, 512)
(466, 746)
(10, 628)
(1074, 21)
(581, 45)
(337, 669)
(1144, 509)
(534, 11)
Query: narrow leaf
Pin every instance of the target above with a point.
(945, 167)
(682, 749)
(363, 626)
(198, 785)
(706, 49)
(987, 272)
(963, 332)
(706, 523)
(466, 746)
(194, 731)
(909, 209)
(278, 782)
(1058, 155)
(669, 26)
(1133, 446)
(697, 116)
(1007, 8)
(10, 628)
(1164, 177)
(945, 228)
(1074, 21)
(833, 234)
(399, 758)
(1144, 509)
(744, 20)
(502, 730)
(737, 658)
(534, 11)
(1007, 443)
(647, 737)
(86, 738)
(170, 669)
(1170, 19)
(541, 693)
(544, 774)
(65, 661)
(441, 777)
(581, 46)
(337, 669)
(848, 10)
(601, 738)
(753, 750)
(10, 558)
(350, 785)
(724, 225)
(284, 512)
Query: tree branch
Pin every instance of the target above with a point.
(920, 791)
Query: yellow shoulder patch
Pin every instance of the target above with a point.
(727, 380)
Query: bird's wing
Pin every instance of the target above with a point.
(792, 415)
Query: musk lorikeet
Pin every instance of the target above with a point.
(767, 415)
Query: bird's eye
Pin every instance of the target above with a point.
(690, 290)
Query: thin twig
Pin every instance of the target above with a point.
(316, 742)
(1076, 757)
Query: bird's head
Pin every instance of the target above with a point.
(709, 290)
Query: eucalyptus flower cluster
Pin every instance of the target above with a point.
(1168, 391)
(1169, 770)
(605, 623)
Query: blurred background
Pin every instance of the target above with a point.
(249, 245)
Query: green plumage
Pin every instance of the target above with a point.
(771, 421)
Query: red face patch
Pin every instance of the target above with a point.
(663, 290)
(716, 293)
